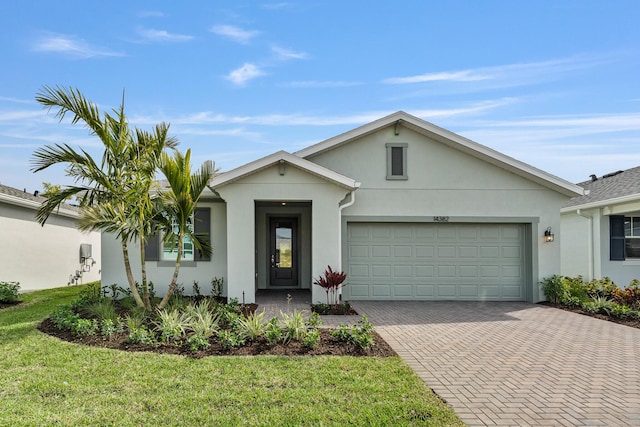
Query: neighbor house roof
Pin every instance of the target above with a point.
(615, 187)
(286, 158)
(22, 198)
(450, 139)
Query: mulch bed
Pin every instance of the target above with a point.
(634, 323)
(9, 304)
(328, 346)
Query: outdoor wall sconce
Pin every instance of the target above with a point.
(548, 235)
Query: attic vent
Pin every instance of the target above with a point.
(609, 175)
(593, 177)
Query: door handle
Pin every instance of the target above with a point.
(273, 260)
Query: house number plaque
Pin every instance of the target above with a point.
(440, 219)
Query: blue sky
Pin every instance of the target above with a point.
(555, 84)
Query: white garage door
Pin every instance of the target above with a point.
(435, 261)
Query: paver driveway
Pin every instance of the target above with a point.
(517, 363)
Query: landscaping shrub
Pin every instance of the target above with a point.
(360, 334)
(331, 281)
(553, 288)
(629, 296)
(9, 292)
(252, 326)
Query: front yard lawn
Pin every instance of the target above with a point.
(46, 381)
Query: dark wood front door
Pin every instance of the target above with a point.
(283, 252)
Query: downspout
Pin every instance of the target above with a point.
(340, 209)
(590, 243)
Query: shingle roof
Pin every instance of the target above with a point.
(22, 197)
(610, 186)
(23, 194)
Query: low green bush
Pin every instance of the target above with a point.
(9, 291)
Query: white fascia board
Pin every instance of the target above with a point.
(274, 159)
(32, 204)
(452, 140)
(603, 203)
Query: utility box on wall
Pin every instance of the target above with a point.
(85, 252)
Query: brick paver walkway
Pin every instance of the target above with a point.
(517, 363)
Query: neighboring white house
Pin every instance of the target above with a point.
(48, 256)
(601, 230)
(409, 210)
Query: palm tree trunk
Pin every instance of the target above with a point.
(174, 278)
(132, 282)
(145, 288)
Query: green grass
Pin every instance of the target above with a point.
(44, 381)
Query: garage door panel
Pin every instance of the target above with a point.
(467, 252)
(468, 271)
(489, 251)
(424, 251)
(378, 251)
(423, 291)
(403, 290)
(490, 271)
(358, 291)
(446, 291)
(381, 290)
(424, 270)
(358, 271)
(378, 271)
(467, 291)
(436, 261)
(446, 270)
(403, 251)
(358, 251)
(511, 252)
(446, 252)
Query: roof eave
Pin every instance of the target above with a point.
(602, 203)
(32, 204)
(275, 158)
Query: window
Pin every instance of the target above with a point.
(632, 236)
(170, 252)
(396, 161)
(156, 250)
(624, 237)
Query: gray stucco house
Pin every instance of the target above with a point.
(409, 210)
(601, 229)
(43, 257)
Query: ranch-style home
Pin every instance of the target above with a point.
(40, 257)
(410, 211)
(601, 230)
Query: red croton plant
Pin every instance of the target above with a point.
(331, 281)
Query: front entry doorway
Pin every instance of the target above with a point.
(283, 252)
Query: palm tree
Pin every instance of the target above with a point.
(114, 195)
(179, 203)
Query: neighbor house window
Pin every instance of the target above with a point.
(396, 161)
(624, 237)
(170, 252)
(632, 236)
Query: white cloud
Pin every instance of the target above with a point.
(242, 75)
(283, 53)
(234, 33)
(457, 76)
(151, 34)
(507, 75)
(70, 45)
(275, 6)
